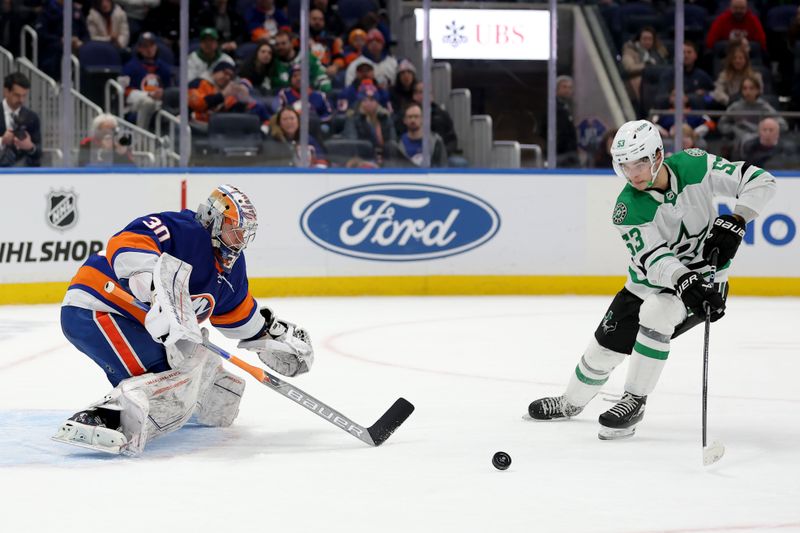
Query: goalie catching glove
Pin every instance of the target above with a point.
(282, 346)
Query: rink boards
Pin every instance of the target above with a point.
(336, 233)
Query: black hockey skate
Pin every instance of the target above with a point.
(95, 428)
(620, 421)
(96, 416)
(552, 408)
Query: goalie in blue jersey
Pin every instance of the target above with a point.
(188, 267)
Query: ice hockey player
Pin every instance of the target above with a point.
(668, 221)
(161, 372)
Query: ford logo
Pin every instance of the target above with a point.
(399, 222)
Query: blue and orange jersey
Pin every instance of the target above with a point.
(224, 298)
(205, 97)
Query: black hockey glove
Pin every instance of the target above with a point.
(725, 235)
(697, 294)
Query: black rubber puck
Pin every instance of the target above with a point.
(501, 460)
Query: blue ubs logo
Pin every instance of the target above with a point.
(399, 222)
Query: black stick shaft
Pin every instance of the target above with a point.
(713, 264)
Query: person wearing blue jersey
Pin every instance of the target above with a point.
(160, 378)
(669, 222)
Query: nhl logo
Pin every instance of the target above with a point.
(62, 209)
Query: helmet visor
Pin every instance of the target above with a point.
(236, 236)
(635, 168)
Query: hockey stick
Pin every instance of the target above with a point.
(713, 453)
(374, 435)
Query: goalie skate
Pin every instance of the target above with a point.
(620, 421)
(92, 429)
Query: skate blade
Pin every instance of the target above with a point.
(615, 433)
(713, 453)
(529, 418)
(110, 451)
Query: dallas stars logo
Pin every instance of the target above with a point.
(620, 212)
(695, 152)
(608, 326)
(687, 244)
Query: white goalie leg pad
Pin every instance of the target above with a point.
(220, 391)
(658, 317)
(154, 405)
(218, 405)
(591, 373)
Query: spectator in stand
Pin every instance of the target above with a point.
(411, 140)
(441, 123)
(333, 22)
(203, 60)
(50, 29)
(146, 78)
(372, 20)
(639, 53)
(700, 124)
(106, 146)
(222, 94)
(689, 138)
(370, 121)
(14, 14)
(695, 80)
(290, 97)
(740, 126)
(365, 73)
(263, 20)
(21, 141)
(602, 156)
(325, 46)
(767, 149)
(566, 134)
(164, 21)
(137, 12)
(735, 23)
(736, 68)
(356, 42)
(108, 22)
(223, 17)
(402, 92)
(285, 128)
(376, 53)
(286, 56)
(259, 68)
(794, 30)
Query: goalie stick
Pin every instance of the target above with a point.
(374, 435)
(714, 452)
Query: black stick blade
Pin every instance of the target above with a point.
(390, 421)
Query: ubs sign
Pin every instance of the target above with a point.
(487, 33)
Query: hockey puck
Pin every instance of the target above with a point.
(501, 460)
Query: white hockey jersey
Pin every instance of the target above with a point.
(665, 232)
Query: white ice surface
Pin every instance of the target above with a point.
(471, 366)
